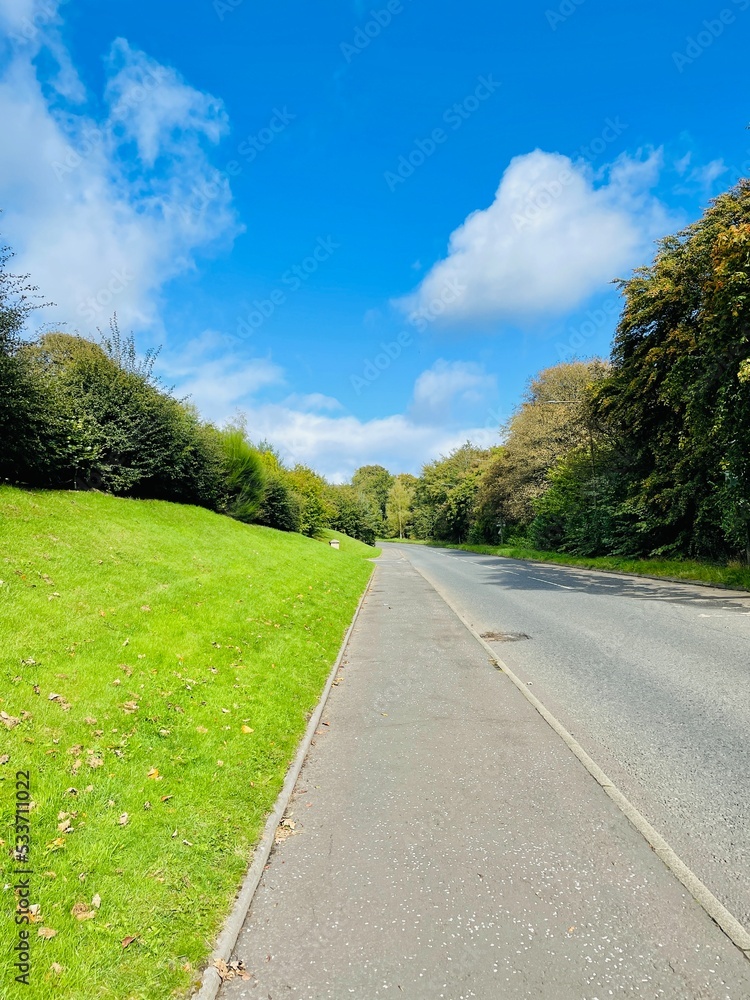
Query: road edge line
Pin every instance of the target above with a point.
(715, 909)
(211, 981)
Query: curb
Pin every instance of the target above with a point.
(715, 909)
(211, 981)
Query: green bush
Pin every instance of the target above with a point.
(244, 474)
(280, 508)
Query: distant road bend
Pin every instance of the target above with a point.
(652, 678)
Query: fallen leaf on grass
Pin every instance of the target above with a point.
(166, 798)
(65, 826)
(129, 707)
(123, 820)
(81, 911)
(9, 721)
(4, 759)
(56, 968)
(201, 729)
(93, 761)
(90, 721)
(127, 941)
(154, 775)
(46, 932)
(96, 902)
(247, 729)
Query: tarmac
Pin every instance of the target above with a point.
(443, 843)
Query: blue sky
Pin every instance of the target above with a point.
(364, 225)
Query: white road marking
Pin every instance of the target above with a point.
(560, 585)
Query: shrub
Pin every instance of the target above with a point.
(244, 475)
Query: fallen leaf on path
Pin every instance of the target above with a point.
(235, 969)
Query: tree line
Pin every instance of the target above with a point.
(80, 414)
(644, 454)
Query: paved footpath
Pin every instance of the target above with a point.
(447, 845)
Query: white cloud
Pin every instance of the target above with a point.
(307, 429)
(337, 446)
(447, 384)
(555, 234)
(314, 401)
(103, 212)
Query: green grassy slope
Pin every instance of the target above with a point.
(186, 652)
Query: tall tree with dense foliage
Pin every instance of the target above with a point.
(373, 483)
(21, 424)
(677, 403)
(552, 420)
(446, 492)
(399, 508)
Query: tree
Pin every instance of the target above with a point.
(373, 483)
(445, 494)
(399, 508)
(677, 402)
(552, 420)
(354, 514)
(316, 509)
(21, 401)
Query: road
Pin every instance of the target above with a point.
(442, 842)
(652, 678)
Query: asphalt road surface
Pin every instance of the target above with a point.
(443, 843)
(652, 678)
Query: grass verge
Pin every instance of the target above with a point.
(158, 666)
(691, 571)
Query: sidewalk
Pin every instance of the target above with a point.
(447, 845)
